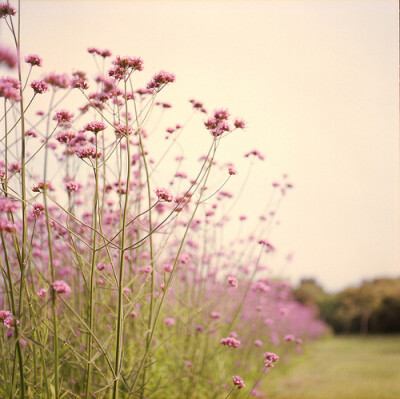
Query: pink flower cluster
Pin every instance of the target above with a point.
(123, 66)
(33, 60)
(101, 53)
(160, 80)
(270, 358)
(6, 9)
(164, 195)
(61, 287)
(39, 86)
(10, 88)
(238, 381)
(95, 127)
(63, 117)
(230, 341)
(7, 57)
(7, 318)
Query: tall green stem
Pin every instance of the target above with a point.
(118, 351)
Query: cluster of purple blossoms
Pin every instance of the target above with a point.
(65, 137)
(38, 209)
(101, 53)
(7, 226)
(95, 127)
(270, 358)
(61, 287)
(218, 124)
(160, 79)
(8, 205)
(39, 86)
(33, 60)
(10, 88)
(63, 117)
(120, 130)
(6, 9)
(238, 382)
(58, 81)
(198, 105)
(79, 80)
(256, 153)
(72, 186)
(232, 281)
(163, 194)
(123, 66)
(41, 186)
(8, 319)
(88, 152)
(230, 341)
(7, 57)
(169, 321)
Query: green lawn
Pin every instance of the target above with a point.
(343, 367)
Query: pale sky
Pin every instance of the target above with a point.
(317, 82)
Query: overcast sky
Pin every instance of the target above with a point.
(317, 82)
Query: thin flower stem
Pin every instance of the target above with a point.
(92, 283)
(120, 309)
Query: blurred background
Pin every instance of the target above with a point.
(316, 82)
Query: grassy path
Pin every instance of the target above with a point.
(344, 367)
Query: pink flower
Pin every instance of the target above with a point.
(238, 381)
(38, 209)
(34, 60)
(95, 127)
(120, 130)
(42, 292)
(215, 315)
(232, 171)
(257, 342)
(88, 152)
(163, 194)
(100, 266)
(7, 226)
(63, 117)
(4, 314)
(72, 186)
(230, 341)
(7, 57)
(10, 88)
(232, 281)
(167, 267)
(65, 137)
(61, 287)
(39, 86)
(123, 66)
(299, 341)
(239, 124)
(289, 338)
(255, 153)
(58, 81)
(10, 322)
(6, 9)
(42, 186)
(199, 328)
(169, 321)
(270, 356)
(160, 80)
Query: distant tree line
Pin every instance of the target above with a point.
(372, 307)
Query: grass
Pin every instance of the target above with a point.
(343, 367)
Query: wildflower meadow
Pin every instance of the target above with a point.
(120, 275)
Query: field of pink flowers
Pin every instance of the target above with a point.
(113, 285)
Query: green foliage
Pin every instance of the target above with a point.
(348, 367)
(373, 307)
